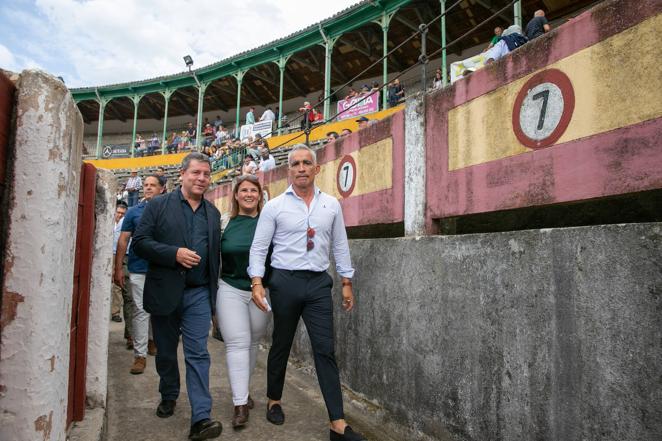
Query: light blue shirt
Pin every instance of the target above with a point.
(250, 118)
(284, 220)
(116, 235)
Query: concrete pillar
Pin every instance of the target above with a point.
(100, 288)
(38, 285)
(415, 166)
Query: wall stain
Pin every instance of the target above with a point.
(52, 360)
(44, 424)
(10, 303)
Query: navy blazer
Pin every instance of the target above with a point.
(158, 236)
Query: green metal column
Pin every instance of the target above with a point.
(282, 61)
(384, 22)
(166, 96)
(201, 101)
(517, 12)
(136, 100)
(102, 108)
(328, 50)
(444, 63)
(239, 76)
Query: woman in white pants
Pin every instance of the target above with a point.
(241, 323)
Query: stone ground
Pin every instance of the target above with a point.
(132, 401)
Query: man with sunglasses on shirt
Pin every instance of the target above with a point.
(303, 224)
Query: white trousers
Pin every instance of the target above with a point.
(242, 325)
(141, 328)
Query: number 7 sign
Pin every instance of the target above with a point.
(543, 109)
(346, 176)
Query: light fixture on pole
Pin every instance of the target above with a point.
(189, 61)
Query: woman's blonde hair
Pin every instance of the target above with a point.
(234, 211)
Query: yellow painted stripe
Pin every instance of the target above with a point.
(145, 162)
(374, 164)
(616, 82)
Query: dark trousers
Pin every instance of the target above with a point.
(306, 294)
(190, 320)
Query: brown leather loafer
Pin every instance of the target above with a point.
(138, 367)
(240, 417)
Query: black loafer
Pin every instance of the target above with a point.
(349, 435)
(166, 408)
(205, 429)
(275, 415)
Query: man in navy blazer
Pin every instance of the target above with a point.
(179, 235)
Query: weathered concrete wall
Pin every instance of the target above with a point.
(100, 287)
(543, 334)
(37, 291)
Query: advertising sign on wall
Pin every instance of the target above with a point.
(359, 105)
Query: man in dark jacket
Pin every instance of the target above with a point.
(178, 235)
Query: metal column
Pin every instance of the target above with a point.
(328, 50)
(444, 63)
(384, 22)
(102, 108)
(282, 61)
(202, 86)
(239, 76)
(517, 12)
(166, 96)
(136, 100)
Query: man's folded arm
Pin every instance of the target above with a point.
(147, 247)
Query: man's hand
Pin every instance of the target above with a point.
(259, 294)
(187, 258)
(118, 277)
(347, 298)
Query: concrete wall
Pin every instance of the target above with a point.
(543, 334)
(37, 290)
(100, 289)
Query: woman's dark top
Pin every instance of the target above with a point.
(235, 246)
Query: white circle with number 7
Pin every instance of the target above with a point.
(541, 111)
(346, 176)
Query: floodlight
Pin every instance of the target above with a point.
(188, 60)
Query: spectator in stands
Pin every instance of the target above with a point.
(308, 116)
(495, 39)
(133, 186)
(437, 82)
(331, 136)
(396, 93)
(511, 39)
(249, 167)
(154, 144)
(352, 94)
(173, 144)
(345, 132)
(363, 122)
(268, 115)
(218, 122)
(537, 26)
(190, 133)
(250, 116)
(208, 135)
(267, 161)
(142, 344)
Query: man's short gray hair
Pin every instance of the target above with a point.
(195, 156)
(298, 147)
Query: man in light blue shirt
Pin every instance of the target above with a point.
(250, 116)
(304, 225)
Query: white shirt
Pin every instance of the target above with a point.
(284, 220)
(268, 115)
(134, 183)
(267, 164)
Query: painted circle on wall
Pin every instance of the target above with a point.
(346, 176)
(543, 109)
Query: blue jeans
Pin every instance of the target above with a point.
(132, 199)
(191, 320)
